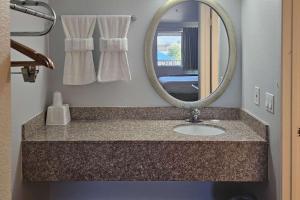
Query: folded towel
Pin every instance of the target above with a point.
(79, 44)
(113, 64)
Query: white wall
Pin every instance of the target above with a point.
(137, 92)
(261, 21)
(184, 12)
(28, 100)
(261, 28)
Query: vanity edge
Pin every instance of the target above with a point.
(145, 161)
(226, 161)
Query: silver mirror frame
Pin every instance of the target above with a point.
(231, 61)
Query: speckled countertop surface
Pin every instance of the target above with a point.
(139, 144)
(140, 130)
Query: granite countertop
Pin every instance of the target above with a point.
(139, 144)
(140, 130)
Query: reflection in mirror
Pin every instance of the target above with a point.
(190, 51)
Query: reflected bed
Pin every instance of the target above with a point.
(185, 87)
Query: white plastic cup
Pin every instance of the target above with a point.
(57, 99)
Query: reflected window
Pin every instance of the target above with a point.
(169, 49)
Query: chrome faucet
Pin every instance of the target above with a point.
(195, 116)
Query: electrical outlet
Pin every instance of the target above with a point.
(256, 95)
(270, 100)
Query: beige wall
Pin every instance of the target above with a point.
(5, 168)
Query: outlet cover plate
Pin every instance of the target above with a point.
(270, 102)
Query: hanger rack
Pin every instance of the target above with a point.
(19, 5)
(30, 68)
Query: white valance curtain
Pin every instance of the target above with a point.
(113, 64)
(79, 44)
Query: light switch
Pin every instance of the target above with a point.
(256, 95)
(270, 102)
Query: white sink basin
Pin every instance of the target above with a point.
(199, 130)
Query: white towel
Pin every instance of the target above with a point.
(79, 44)
(113, 64)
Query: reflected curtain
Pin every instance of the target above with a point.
(190, 48)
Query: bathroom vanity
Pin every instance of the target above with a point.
(159, 144)
(140, 144)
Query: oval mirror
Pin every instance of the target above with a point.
(190, 52)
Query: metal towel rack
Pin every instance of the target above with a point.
(19, 5)
(30, 68)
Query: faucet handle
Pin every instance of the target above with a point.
(195, 116)
(196, 112)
